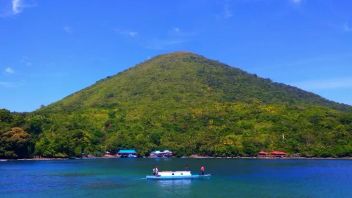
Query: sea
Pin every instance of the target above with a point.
(126, 178)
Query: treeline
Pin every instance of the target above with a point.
(220, 129)
(14, 141)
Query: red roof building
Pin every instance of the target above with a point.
(278, 154)
(263, 154)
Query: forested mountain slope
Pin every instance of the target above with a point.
(191, 105)
(186, 79)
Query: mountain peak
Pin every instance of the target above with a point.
(180, 54)
(177, 55)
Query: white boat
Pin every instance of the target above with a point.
(176, 175)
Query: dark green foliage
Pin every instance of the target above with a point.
(190, 105)
(14, 143)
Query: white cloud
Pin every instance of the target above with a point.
(9, 70)
(17, 6)
(68, 29)
(326, 84)
(128, 33)
(177, 32)
(10, 8)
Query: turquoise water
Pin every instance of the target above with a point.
(125, 178)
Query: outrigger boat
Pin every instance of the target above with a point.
(176, 175)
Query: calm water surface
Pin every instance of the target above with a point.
(125, 178)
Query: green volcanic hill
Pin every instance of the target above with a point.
(190, 105)
(184, 80)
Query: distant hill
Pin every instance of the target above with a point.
(186, 79)
(190, 105)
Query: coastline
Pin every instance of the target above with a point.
(185, 157)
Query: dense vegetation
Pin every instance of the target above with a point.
(14, 141)
(185, 103)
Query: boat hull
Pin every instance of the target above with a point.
(152, 177)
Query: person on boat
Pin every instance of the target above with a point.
(155, 171)
(202, 170)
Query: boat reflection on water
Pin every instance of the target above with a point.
(176, 182)
(172, 188)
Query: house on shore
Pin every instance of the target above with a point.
(161, 154)
(127, 153)
(263, 154)
(107, 154)
(272, 154)
(278, 154)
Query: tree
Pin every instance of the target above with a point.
(14, 143)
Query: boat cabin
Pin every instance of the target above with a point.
(127, 153)
(174, 173)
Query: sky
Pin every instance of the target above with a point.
(50, 49)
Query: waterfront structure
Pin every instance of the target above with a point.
(278, 154)
(272, 154)
(263, 154)
(161, 154)
(127, 153)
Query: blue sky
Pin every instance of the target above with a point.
(49, 49)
